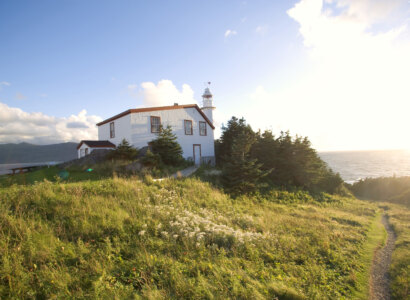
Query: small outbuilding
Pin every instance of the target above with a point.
(86, 147)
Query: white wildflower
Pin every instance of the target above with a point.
(141, 233)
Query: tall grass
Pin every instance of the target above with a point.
(399, 218)
(124, 238)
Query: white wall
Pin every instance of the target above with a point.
(81, 150)
(136, 128)
(208, 111)
(122, 130)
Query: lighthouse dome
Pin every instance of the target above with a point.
(207, 93)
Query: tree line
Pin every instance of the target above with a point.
(252, 161)
(390, 189)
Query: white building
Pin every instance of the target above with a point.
(86, 147)
(192, 125)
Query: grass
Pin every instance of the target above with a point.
(51, 174)
(83, 173)
(127, 238)
(399, 218)
(376, 238)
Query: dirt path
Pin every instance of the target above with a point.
(380, 281)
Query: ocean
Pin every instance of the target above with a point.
(356, 165)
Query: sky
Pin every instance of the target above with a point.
(336, 71)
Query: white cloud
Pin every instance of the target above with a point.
(261, 29)
(77, 125)
(17, 125)
(162, 94)
(230, 32)
(355, 93)
(4, 83)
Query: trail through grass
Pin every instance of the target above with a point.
(399, 218)
(375, 239)
(379, 279)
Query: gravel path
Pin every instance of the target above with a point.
(380, 281)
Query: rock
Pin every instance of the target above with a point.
(96, 156)
(134, 167)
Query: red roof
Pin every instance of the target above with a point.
(147, 109)
(97, 144)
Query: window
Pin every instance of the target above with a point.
(188, 127)
(202, 128)
(112, 130)
(155, 124)
(86, 151)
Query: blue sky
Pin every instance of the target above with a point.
(59, 58)
(85, 53)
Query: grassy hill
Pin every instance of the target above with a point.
(29, 153)
(129, 238)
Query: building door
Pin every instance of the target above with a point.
(197, 154)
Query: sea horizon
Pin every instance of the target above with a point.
(360, 164)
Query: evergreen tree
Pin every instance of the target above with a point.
(294, 163)
(288, 161)
(265, 150)
(167, 147)
(151, 160)
(124, 151)
(223, 146)
(241, 174)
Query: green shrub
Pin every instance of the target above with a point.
(123, 151)
(151, 160)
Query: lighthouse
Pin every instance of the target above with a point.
(207, 104)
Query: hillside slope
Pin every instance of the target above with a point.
(178, 239)
(29, 153)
